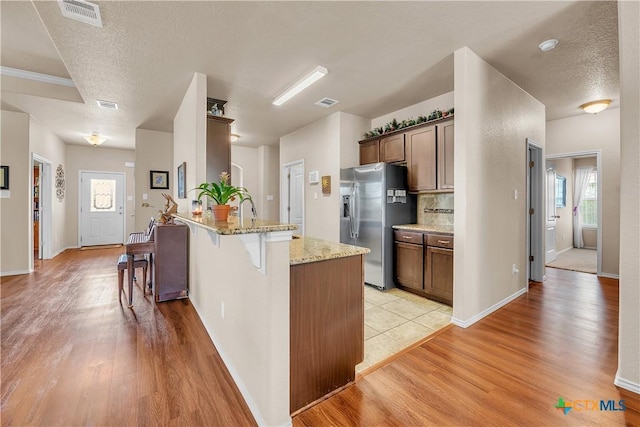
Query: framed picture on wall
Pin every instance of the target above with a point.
(159, 180)
(182, 172)
(4, 177)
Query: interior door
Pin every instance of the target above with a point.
(101, 208)
(550, 251)
(294, 175)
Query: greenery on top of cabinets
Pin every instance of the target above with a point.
(395, 125)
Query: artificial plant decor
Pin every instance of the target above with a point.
(221, 193)
(395, 125)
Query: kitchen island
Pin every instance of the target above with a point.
(286, 315)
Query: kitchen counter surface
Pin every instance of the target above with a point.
(303, 250)
(440, 229)
(232, 227)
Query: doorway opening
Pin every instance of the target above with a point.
(41, 208)
(292, 195)
(534, 212)
(574, 242)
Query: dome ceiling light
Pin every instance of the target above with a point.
(594, 107)
(548, 45)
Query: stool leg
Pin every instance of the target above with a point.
(120, 283)
(144, 280)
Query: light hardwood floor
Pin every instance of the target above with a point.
(72, 355)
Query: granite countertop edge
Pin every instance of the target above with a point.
(304, 250)
(440, 229)
(232, 228)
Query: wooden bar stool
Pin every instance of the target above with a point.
(139, 261)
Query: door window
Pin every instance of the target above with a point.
(103, 194)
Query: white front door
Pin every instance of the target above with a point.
(293, 200)
(101, 208)
(550, 253)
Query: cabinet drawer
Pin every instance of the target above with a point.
(439, 241)
(407, 236)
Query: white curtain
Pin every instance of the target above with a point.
(579, 189)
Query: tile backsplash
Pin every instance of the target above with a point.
(435, 209)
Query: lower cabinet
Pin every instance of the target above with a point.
(438, 273)
(409, 265)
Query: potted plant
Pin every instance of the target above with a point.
(221, 193)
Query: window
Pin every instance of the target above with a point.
(103, 193)
(589, 205)
(561, 191)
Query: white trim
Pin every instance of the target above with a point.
(564, 250)
(598, 156)
(535, 269)
(39, 77)
(488, 311)
(284, 190)
(46, 206)
(16, 273)
(626, 384)
(609, 275)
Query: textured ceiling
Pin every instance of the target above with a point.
(381, 56)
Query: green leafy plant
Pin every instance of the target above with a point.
(221, 193)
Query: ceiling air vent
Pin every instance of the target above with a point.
(82, 11)
(327, 102)
(107, 104)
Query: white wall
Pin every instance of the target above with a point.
(15, 210)
(317, 144)
(154, 151)
(424, 108)
(190, 138)
(247, 159)
(352, 129)
(589, 132)
(268, 182)
(96, 159)
(494, 117)
(628, 375)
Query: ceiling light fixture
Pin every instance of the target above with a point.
(95, 139)
(234, 137)
(548, 45)
(301, 85)
(594, 107)
(39, 77)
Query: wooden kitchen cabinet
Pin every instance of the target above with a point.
(218, 147)
(445, 155)
(438, 268)
(421, 159)
(392, 148)
(409, 256)
(370, 152)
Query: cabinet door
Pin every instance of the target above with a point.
(370, 152)
(438, 273)
(392, 148)
(445, 156)
(218, 153)
(421, 164)
(409, 265)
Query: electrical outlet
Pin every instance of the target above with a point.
(222, 309)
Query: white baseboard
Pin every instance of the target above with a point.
(488, 311)
(564, 250)
(62, 250)
(609, 275)
(15, 273)
(627, 385)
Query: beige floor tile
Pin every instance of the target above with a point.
(377, 349)
(381, 319)
(369, 332)
(409, 333)
(397, 292)
(405, 308)
(376, 297)
(368, 305)
(446, 309)
(434, 319)
(427, 303)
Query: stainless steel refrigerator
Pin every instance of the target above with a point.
(373, 198)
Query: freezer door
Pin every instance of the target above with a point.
(369, 190)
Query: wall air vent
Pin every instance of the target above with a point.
(327, 102)
(107, 104)
(82, 11)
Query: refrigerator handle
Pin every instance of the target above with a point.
(355, 214)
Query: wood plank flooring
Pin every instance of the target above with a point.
(72, 355)
(559, 340)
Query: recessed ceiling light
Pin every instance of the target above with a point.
(234, 137)
(548, 45)
(109, 105)
(594, 107)
(301, 85)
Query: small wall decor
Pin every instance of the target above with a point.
(326, 184)
(4, 177)
(60, 183)
(314, 177)
(159, 180)
(182, 173)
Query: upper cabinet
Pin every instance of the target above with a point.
(218, 147)
(392, 148)
(427, 150)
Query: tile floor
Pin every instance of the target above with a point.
(395, 319)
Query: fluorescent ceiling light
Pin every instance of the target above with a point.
(39, 77)
(95, 139)
(301, 85)
(594, 107)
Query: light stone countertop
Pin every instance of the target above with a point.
(303, 250)
(232, 227)
(440, 229)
